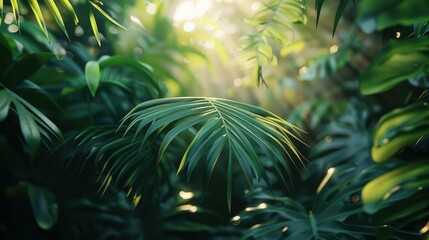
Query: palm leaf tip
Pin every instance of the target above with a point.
(227, 131)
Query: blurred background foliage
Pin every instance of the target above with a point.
(353, 75)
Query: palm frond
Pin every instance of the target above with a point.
(340, 9)
(228, 131)
(34, 124)
(272, 22)
(129, 160)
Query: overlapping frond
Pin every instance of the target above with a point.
(228, 131)
(35, 126)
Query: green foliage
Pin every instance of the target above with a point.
(272, 22)
(228, 131)
(91, 149)
(92, 75)
(335, 211)
(395, 185)
(44, 206)
(375, 16)
(397, 62)
(33, 123)
(56, 13)
(398, 129)
(340, 10)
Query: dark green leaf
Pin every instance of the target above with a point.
(318, 5)
(45, 208)
(29, 127)
(378, 15)
(25, 67)
(5, 101)
(399, 61)
(342, 5)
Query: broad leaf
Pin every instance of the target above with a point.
(378, 15)
(92, 76)
(45, 208)
(399, 61)
(143, 70)
(411, 178)
(398, 129)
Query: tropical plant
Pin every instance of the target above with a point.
(272, 22)
(91, 148)
(56, 13)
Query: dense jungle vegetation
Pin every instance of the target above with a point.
(214, 119)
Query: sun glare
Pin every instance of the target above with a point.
(190, 9)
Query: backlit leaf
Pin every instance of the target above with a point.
(67, 5)
(34, 4)
(399, 61)
(92, 75)
(94, 26)
(106, 15)
(57, 15)
(398, 129)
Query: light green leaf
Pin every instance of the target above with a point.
(44, 205)
(57, 16)
(399, 61)
(398, 129)
(145, 71)
(106, 15)
(34, 4)
(379, 190)
(94, 26)
(67, 5)
(1, 11)
(92, 75)
(15, 10)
